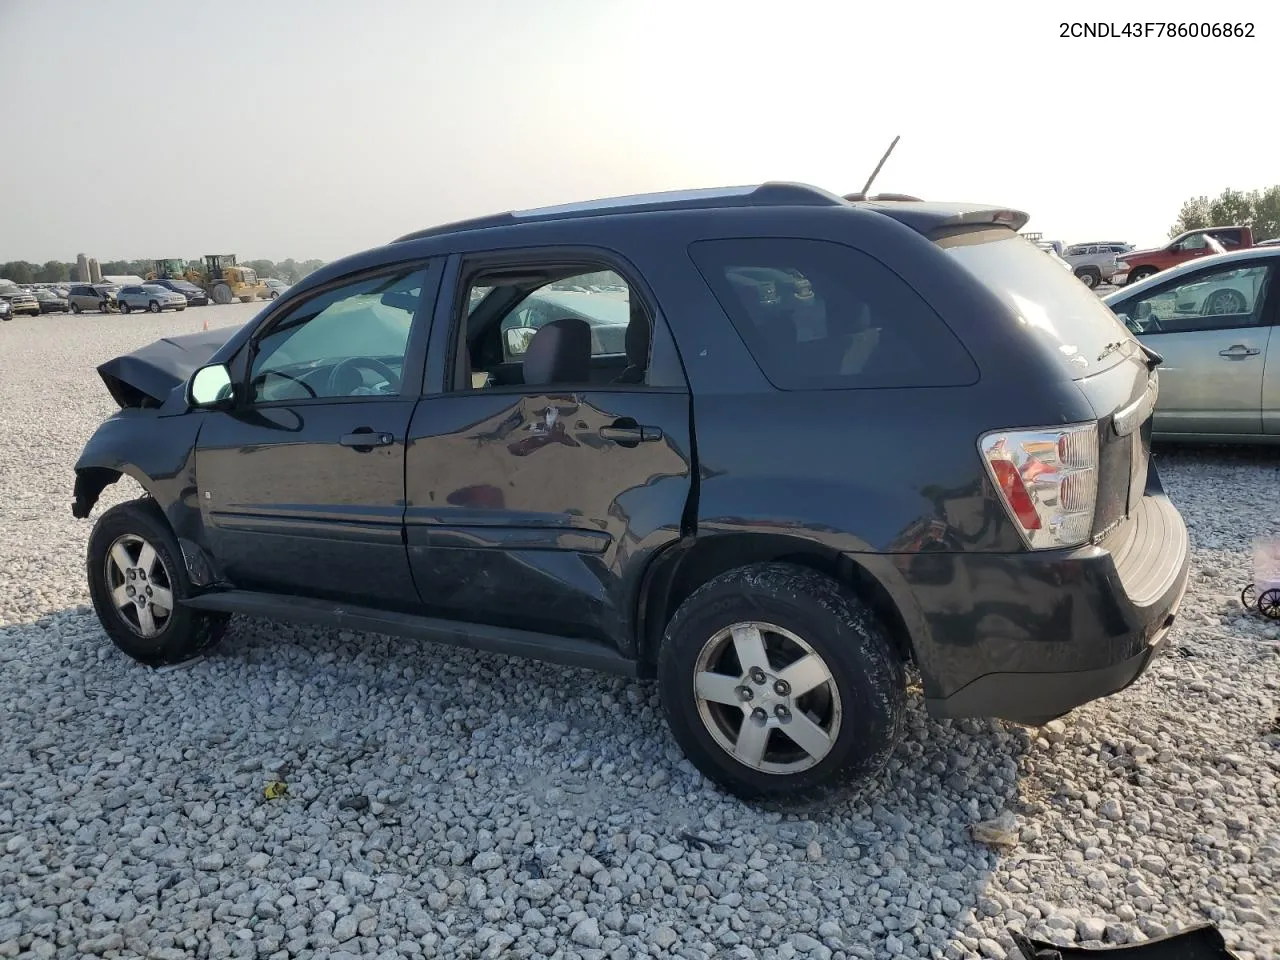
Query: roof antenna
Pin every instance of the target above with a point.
(874, 173)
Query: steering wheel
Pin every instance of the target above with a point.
(341, 368)
(262, 381)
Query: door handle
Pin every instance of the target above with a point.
(1239, 351)
(630, 433)
(364, 439)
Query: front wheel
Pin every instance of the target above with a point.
(780, 684)
(1140, 274)
(1089, 277)
(137, 581)
(75, 308)
(124, 307)
(153, 306)
(222, 294)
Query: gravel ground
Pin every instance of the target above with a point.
(443, 802)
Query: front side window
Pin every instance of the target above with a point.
(1222, 300)
(347, 342)
(820, 315)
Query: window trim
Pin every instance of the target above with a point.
(1268, 315)
(241, 364)
(452, 314)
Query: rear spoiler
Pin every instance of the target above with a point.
(936, 220)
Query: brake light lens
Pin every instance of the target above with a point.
(1047, 480)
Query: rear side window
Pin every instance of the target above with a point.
(1048, 301)
(820, 315)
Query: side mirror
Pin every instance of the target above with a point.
(517, 340)
(211, 387)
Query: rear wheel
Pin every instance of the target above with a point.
(1269, 604)
(137, 581)
(75, 308)
(779, 683)
(222, 294)
(1090, 276)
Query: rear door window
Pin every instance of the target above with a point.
(1049, 301)
(821, 315)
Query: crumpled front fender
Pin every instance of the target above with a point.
(156, 451)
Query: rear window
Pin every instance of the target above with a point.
(820, 315)
(1048, 300)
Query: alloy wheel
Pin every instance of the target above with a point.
(140, 585)
(767, 698)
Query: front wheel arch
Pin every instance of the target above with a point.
(91, 480)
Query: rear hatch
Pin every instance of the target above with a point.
(1113, 370)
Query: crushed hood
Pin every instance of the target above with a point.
(146, 377)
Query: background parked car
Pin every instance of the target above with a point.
(1211, 322)
(195, 296)
(149, 296)
(51, 302)
(92, 296)
(6, 309)
(19, 299)
(1097, 263)
(277, 287)
(1186, 246)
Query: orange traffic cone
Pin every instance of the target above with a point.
(206, 324)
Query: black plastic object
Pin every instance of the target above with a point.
(1195, 943)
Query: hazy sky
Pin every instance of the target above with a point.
(315, 128)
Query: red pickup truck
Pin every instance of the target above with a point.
(1184, 247)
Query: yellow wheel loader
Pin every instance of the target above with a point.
(220, 276)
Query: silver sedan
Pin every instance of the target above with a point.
(1213, 322)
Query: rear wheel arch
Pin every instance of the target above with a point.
(682, 569)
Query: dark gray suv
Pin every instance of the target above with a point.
(836, 438)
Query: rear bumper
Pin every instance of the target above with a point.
(1031, 636)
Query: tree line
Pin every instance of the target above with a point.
(1256, 209)
(57, 271)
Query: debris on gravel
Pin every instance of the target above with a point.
(443, 802)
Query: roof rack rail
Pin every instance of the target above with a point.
(768, 194)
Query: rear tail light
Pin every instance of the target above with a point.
(1047, 480)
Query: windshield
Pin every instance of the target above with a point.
(1051, 302)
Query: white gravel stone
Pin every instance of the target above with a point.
(434, 793)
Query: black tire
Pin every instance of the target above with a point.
(221, 294)
(154, 306)
(1248, 596)
(75, 308)
(275, 294)
(1090, 276)
(124, 307)
(865, 670)
(1140, 274)
(182, 633)
(1269, 604)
